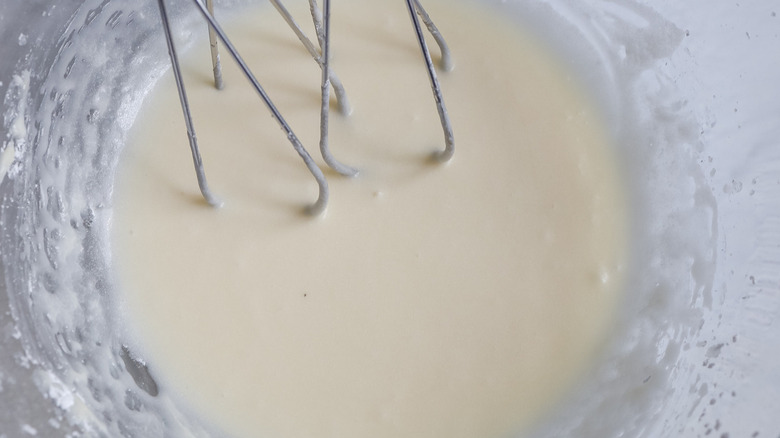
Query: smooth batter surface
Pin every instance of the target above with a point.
(456, 300)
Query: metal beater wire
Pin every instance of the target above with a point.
(322, 199)
(185, 106)
(324, 62)
(216, 63)
(321, 19)
(338, 87)
(322, 26)
(449, 139)
(446, 62)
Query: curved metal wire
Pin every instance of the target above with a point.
(321, 19)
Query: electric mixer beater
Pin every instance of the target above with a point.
(321, 19)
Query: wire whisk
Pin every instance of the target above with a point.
(321, 53)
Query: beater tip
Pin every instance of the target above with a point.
(442, 156)
(446, 62)
(213, 200)
(315, 210)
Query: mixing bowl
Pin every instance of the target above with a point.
(690, 90)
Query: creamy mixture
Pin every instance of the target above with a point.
(455, 300)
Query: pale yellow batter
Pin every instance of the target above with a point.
(456, 300)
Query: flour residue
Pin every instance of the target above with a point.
(17, 133)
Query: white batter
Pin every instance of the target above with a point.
(456, 300)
